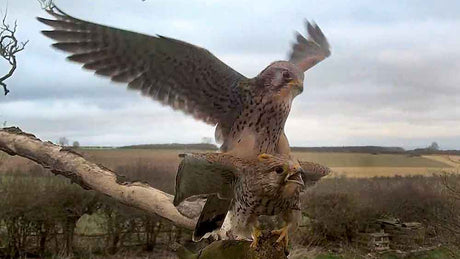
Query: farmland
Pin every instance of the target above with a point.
(348, 164)
(341, 207)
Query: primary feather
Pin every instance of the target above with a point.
(249, 113)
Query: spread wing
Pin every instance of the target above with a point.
(308, 52)
(176, 73)
(202, 174)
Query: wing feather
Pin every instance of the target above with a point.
(308, 52)
(204, 174)
(211, 217)
(176, 73)
(313, 172)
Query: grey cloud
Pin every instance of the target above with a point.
(392, 78)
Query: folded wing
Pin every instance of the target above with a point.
(204, 174)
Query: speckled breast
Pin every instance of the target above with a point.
(275, 205)
(260, 125)
(272, 203)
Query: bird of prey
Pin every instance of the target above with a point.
(268, 185)
(250, 113)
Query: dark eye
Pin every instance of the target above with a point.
(287, 76)
(279, 169)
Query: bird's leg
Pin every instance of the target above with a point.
(291, 222)
(283, 235)
(256, 232)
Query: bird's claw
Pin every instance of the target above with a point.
(255, 238)
(283, 235)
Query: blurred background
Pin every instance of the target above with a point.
(382, 112)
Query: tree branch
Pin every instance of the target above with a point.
(45, 4)
(9, 47)
(66, 162)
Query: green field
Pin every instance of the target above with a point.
(349, 164)
(355, 196)
(368, 160)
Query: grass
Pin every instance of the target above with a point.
(349, 164)
(113, 158)
(362, 172)
(91, 224)
(328, 256)
(160, 167)
(368, 160)
(439, 253)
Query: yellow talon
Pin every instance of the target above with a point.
(255, 237)
(283, 235)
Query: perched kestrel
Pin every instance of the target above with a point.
(268, 185)
(250, 113)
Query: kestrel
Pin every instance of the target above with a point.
(268, 185)
(250, 113)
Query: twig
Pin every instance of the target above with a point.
(9, 47)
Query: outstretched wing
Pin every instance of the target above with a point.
(176, 73)
(308, 52)
(203, 174)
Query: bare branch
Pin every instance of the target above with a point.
(9, 47)
(46, 4)
(66, 162)
(448, 183)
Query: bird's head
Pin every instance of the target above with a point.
(282, 173)
(282, 78)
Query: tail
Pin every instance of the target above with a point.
(313, 172)
(212, 216)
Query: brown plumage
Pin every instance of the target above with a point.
(268, 185)
(249, 113)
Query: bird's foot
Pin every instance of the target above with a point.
(255, 237)
(283, 235)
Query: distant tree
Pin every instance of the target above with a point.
(10, 46)
(206, 140)
(76, 144)
(63, 141)
(434, 146)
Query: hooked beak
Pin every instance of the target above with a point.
(295, 176)
(296, 85)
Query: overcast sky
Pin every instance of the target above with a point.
(393, 77)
